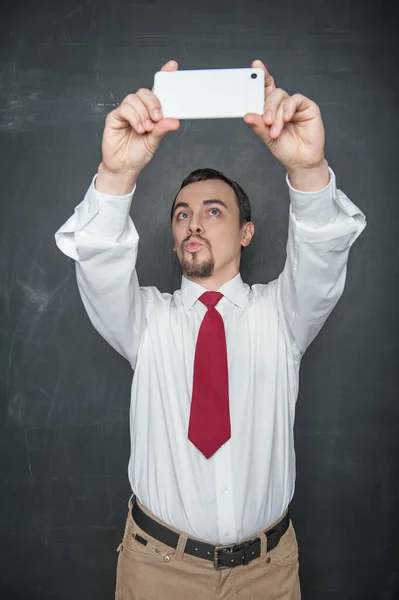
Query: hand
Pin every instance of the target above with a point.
(291, 127)
(132, 134)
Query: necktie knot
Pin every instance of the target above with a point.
(210, 298)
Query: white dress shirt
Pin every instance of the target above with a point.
(249, 482)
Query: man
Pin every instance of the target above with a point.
(212, 464)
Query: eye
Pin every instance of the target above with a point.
(178, 218)
(217, 210)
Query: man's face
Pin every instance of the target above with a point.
(206, 230)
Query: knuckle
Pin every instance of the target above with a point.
(122, 109)
(129, 98)
(128, 114)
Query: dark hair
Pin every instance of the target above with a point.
(204, 174)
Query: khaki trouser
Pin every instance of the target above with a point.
(157, 572)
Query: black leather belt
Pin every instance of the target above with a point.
(223, 557)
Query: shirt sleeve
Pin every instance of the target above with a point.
(101, 237)
(323, 225)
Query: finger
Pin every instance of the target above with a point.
(278, 123)
(270, 85)
(271, 105)
(257, 125)
(289, 110)
(151, 103)
(171, 65)
(299, 108)
(137, 104)
(123, 115)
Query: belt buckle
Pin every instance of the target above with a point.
(227, 549)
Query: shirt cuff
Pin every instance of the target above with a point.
(315, 208)
(104, 213)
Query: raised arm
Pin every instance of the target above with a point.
(323, 222)
(101, 237)
(323, 225)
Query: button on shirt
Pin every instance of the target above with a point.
(249, 482)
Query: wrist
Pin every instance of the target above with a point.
(115, 183)
(310, 179)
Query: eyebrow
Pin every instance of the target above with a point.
(204, 203)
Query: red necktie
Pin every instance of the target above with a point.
(209, 425)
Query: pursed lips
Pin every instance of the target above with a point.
(193, 244)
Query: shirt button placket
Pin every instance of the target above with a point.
(224, 499)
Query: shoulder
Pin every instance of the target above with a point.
(152, 295)
(260, 292)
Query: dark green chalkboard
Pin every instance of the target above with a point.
(64, 394)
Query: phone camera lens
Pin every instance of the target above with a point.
(254, 75)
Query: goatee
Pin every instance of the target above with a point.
(196, 270)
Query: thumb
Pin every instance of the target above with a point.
(258, 125)
(165, 125)
(171, 65)
(162, 128)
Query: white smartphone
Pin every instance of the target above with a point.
(210, 93)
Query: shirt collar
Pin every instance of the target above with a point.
(233, 290)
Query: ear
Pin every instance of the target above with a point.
(248, 232)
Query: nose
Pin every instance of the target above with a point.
(194, 226)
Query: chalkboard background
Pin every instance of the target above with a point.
(65, 393)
